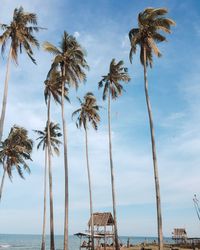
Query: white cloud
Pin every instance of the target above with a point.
(76, 34)
(125, 42)
(178, 155)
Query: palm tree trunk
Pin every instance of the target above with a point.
(90, 188)
(66, 219)
(112, 175)
(52, 244)
(5, 94)
(155, 164)
(2, 181)
(43, 246)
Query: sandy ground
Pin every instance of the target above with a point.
(149, 247)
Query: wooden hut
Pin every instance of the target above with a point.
(179, 235)
(104, 227)
(103, 231)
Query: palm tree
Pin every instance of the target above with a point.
(20, 35)
(88, 113)
(53, 87)
(15, 150)
(150, 22)
(54, 135)
(70, 60)
(54, 129)
(113, 89)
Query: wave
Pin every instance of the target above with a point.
(5, 246)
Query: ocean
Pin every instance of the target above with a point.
(28, 242)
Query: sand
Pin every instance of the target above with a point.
(151, 247)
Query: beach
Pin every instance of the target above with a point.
(151, 246)
(30, 242)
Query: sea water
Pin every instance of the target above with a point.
(28, 242)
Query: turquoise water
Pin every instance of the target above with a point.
(28, 242)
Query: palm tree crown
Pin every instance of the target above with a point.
(15, 150)
(150, 22)
(111, 81)
(53, 86)
(55, 133)
(88, 112)
(20, 33)
(70, 57)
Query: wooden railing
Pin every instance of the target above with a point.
(101, 232)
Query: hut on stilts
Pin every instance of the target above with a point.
(179, 235)
(103, 232)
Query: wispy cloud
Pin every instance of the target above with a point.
(174, 92)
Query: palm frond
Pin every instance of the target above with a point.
(70, 57)
(55, 133)
(150, 22)
(15, 150)
(111, 82)
(4, 39)
(20, 34)
(49, 47)
(88, 112)
(106, 90)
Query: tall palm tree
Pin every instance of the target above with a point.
(19, 35)
(69, 58)
(112, 88)
(150, 22)
(15, 150)
(54, 129)
(53, 87)
(88, 113)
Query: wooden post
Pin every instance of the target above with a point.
(104, 237)
(80, 242)
(113, 237)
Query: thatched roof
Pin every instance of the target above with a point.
(102, 219)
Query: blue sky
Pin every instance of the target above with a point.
(101, 26)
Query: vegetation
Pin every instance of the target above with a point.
(53, 87)
(15, 151)
(150, 22)
(54, 131)
(19, 36)
(88, 113)
(68, 69)
(112, 88)
(69, 59)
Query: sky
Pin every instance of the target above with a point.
(101, 26)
